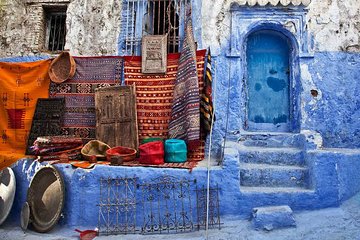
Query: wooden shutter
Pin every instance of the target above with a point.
(116, 121)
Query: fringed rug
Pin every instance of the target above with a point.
(155, 95)
(79, 93)
(21, 84)
(187, 165)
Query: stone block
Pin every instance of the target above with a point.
(272, 217)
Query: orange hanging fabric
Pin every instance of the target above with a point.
(21, 84)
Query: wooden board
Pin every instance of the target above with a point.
(154, 53)
(116, 120)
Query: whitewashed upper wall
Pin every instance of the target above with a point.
(93, 25)
(334, 24)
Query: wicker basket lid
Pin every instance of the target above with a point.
(46, 196)
(62, 68)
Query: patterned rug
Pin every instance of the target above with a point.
(155, 95)
(79, 93)
(21, 84)
(187, 165)
(47, 119)
(185, 112)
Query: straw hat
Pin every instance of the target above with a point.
(94, 150)
(62, 68)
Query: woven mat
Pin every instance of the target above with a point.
(188, 165)
(87, 165)
(79, 93)
(154, 95)
(21, 84)
(47, 119)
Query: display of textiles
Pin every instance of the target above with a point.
(57, 148)
(185, 112)
(206, 103)
(154, 96)
(21, 84)
(47, 119)
(79, 93)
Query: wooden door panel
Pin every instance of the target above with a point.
(116, 119)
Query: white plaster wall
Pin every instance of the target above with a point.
(334, 24)
(93, 27)
(13, 25)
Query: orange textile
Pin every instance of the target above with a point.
(21, 84)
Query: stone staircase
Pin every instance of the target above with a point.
(273, 169)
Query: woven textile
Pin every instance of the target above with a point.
(185, 113)
(21, 84)
(79, 93)
(206, 103)
(47, 119)
(154, 95)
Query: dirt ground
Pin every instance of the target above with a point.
(340, 223)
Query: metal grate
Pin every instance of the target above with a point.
(167, 206)
(213, 215)
(153, 17)
(56, 30)
(117, 207)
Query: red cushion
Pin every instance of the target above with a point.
(152, 153)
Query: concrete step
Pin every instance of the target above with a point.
(275, 190)
(295, 197)
(267, 175)
(275, 156)
(266, 139)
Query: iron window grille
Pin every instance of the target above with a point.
(152, 17)
(55, 29)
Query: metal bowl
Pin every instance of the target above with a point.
(46, 196)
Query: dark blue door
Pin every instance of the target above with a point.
(268, 105)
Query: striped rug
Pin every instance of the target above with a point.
(155, 97)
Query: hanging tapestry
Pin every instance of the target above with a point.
(21, 84)
(79, 93)
(47, 119)
(206, 103)
(185, 112)
(154, 96)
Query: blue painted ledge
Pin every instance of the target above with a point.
(334, 174)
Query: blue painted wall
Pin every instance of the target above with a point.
(24, 59)
(337, 114)
(334, 174)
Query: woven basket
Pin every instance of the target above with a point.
(62, 68)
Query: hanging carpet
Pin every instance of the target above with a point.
(79, 93)
(154, 97)
(185, 112)
(206, 103)
(47, 119)
(21, 84)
